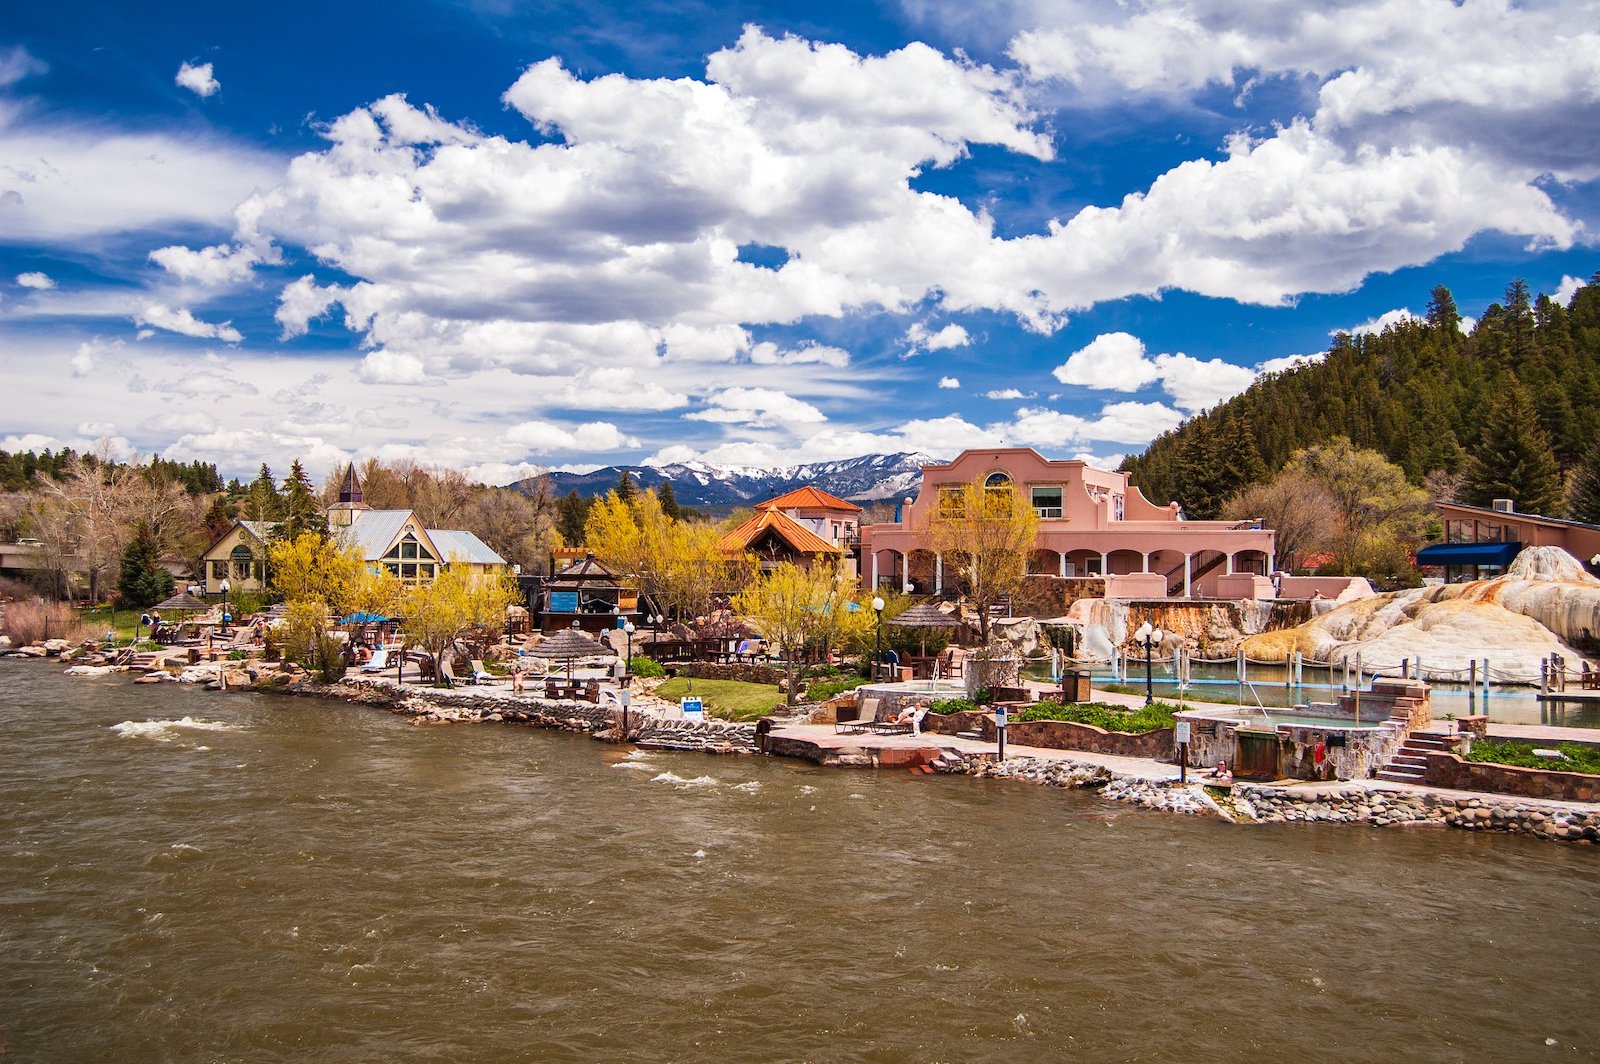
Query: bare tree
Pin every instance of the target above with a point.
(1302, 512)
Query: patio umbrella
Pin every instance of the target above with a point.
(183, 601)
(569, 645)
(924, 615)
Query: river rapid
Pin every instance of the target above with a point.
(188, 876)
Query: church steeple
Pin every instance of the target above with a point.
(350, 486)
(342, 514)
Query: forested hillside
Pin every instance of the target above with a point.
(1511, 408)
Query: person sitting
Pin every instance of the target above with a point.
(516, 676)
(1221, 773)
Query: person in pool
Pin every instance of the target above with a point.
(1221, 773)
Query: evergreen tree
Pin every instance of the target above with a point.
(669, 501)
(625, 487)
(1442, 312)
(572, 513)
(301, 511)
(143, 581)
(1514, 459)
(1584, 502)
(261, 502)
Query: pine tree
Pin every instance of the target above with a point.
(572, 513)
(1584, 502)
(143, 581)
(669, 501)
(1442, 312)
(301, 511)
(625, 487)
(261, 500)
(1514, 459)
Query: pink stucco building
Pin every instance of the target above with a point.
(1092, 523)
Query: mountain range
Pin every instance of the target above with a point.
(864, 480)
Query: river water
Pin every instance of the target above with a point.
(197, 877)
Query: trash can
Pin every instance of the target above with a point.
(1075, 687)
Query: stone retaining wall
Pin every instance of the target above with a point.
(1382, 808)
(1456, 773)
(1056, 735)
(732, 670)
(710, 736)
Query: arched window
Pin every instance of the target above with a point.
(243, 562)
(997, 482)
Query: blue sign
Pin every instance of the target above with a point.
(693, 708)
(999, 716)
(563, 602)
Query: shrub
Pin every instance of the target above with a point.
(1578, 758)
(36, 620)
(952, 705)
(647, 668)
(1105, 715)
(821, 692)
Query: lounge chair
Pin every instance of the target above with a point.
(900, 727)
(853, 720)
(379, 661)
(445, 672)
(481, 674)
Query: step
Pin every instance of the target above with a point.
(1401, 775)
(1405, 760)
(978, 736)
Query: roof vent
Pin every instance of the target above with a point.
(1503, 506)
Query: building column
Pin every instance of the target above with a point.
(1228, 571)
(1272, 565)
(1146, 556)
(1061, 556)
(874, 571)
(938, 573)
(1188, 571)
(1105, 565)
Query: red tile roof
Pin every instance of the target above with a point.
(808, 498)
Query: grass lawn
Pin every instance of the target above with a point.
(102, 619)
(729, 699)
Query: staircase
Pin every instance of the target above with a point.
(1175, 575)
(1410, 765)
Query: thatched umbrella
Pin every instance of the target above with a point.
(569, 645)
(923, 616)
(183, 602)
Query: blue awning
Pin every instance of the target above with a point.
(1469, 553)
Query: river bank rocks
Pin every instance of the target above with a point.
(708, 736)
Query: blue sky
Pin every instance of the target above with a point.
(504, 236)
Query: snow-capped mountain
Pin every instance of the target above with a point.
(870, 478)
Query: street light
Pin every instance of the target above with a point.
(1149, 638)
(224, 588)
(877, 645)
(630, 629)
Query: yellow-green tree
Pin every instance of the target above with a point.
(321, 580)
(677, 563)
(985, 536)
(794, 608)
(456, 602)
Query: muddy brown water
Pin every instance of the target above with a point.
(291, 880)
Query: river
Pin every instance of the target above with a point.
(283, 879)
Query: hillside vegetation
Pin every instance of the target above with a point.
(1510, 408)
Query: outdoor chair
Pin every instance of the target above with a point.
(900, 727)
(853, 720)
(379, 661)
(481, 675)
(446, 673)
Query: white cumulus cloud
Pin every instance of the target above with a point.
(197, 79)
(949, 382)
(35, 279)
(183, 322)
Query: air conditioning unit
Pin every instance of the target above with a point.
(1504, 506)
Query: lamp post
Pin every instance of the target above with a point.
(1149, 638)
(224, 587)
(630, 629)
(877, 644)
